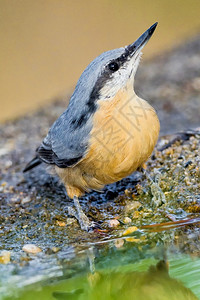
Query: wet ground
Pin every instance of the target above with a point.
(144, 219)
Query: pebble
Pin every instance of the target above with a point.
(15, 199)
(114, 223)
(133, 206)
(4, 257)
(196, 83)
(130, 230)
(127, 220)
(55, 249)
(60, 223)
(136, 214)
(31, 248)
(25, 200)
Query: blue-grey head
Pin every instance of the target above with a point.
(68, 138)
(111, 70)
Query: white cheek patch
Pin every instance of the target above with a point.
(113, 85)
(120, 78)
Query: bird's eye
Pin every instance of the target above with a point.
(113, 66)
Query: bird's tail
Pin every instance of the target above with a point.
(32, 164)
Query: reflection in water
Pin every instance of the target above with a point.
(107, 272)
(150, 285)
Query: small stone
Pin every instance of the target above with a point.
(60, 223)
(127, 220)
(114, 223)
(55, 249)
(8, 164)
(3, 151)
(31, 248)
(133, 206)
(144, 166)
(136, 214)
(196, 83)
(127, 192)
(25, 200)
(4, 257)
(130, 230)
(15, 199)
(70, 221)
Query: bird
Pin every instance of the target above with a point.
(106, 132)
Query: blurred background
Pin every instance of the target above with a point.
(46, 44)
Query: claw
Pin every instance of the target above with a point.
(81, 217)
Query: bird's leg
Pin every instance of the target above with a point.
(78, 213)
(158, 195)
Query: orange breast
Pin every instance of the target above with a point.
(124, 134)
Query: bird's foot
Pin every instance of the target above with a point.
(158, 195)
(81, 217)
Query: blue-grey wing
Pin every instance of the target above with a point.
(67, 140)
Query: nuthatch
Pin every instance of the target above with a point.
(107, 131)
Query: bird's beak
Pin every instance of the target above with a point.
(141, 41)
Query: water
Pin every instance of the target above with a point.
(111, 271)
